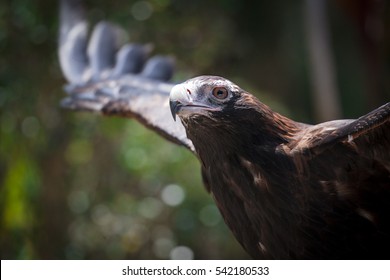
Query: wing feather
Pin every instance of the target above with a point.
(369, 133)
(112, 80)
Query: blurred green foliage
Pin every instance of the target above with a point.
(80, 186)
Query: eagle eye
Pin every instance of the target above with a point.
(220, 92)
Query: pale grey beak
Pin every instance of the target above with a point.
(177, 98)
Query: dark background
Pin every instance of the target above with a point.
(80, 186)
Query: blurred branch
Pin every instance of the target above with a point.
(322, 69)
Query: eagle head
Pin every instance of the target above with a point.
(203, 96)
(212, 107)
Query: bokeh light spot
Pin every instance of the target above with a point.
(150, 207)
(209, 215)
(172, 195)
(162, 247)
(78, 201)
(142, 10)
(181, 253)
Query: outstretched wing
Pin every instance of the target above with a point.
(344, 168)
(369, 135)
(112, 78)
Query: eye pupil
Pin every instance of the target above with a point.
(220, 92)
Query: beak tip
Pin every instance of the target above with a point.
(173, 106)
(178, 97)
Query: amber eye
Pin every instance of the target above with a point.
(220, 92)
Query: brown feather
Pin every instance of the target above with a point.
(290, 190)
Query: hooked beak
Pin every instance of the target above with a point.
(177, 98)
(175, 107)
(182, 103)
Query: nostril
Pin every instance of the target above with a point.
(189, 92)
